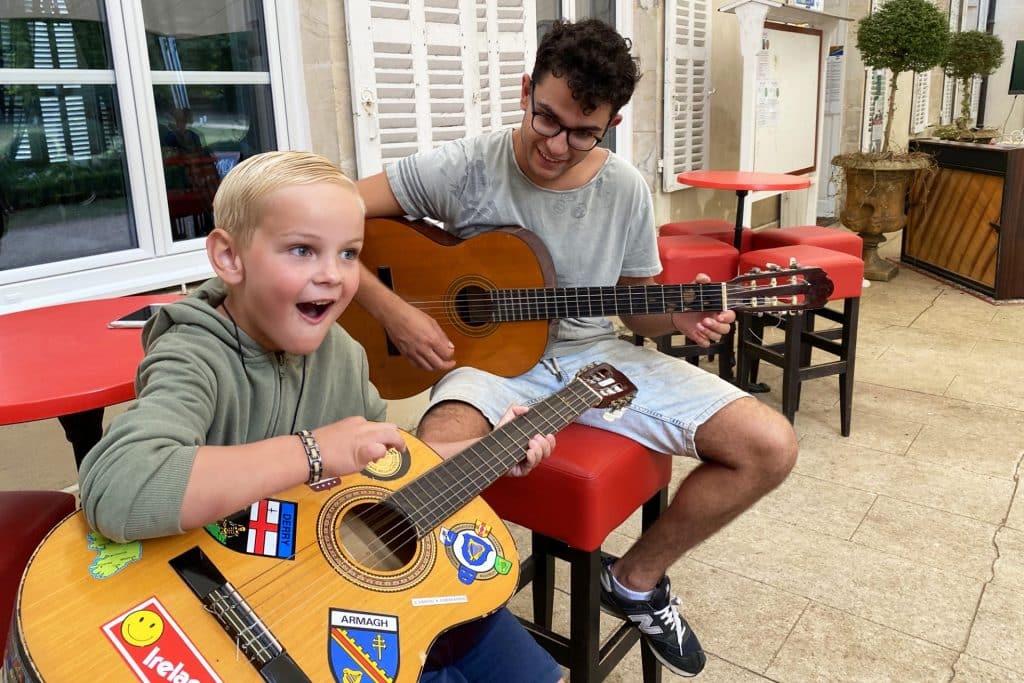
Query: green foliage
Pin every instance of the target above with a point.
(972, 53)
(904, 35)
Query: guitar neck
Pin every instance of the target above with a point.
(510, 305)
(446, 488)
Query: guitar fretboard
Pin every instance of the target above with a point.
(509, 305)
(443, 490)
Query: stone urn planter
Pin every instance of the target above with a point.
(876, 193)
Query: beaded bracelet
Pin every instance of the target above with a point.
(316, 463)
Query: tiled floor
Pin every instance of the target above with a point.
(896, 554)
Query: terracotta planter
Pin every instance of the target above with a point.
(876, 194)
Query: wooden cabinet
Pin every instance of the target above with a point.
(966, 221)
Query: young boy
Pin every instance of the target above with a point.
(249, 387)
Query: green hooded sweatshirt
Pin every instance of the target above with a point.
(204, 381)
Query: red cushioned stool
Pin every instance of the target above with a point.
(836, 239)
(715, 228)
(593, 481)
(793, 354)
(682, 258)
(26, 517)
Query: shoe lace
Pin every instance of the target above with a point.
(669, 615)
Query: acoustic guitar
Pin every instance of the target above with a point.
(494, 295)
(349, 580)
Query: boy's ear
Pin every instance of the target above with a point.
(616, 120)
(524, 96)
(224, 256)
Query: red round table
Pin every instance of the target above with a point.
(742, 182)
(64, 362)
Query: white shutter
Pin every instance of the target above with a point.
(919, 104)
(687, 86)
(950, 99)
(506, 45)
(412, 66)
(876, 102)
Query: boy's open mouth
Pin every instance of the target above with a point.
(314, 309)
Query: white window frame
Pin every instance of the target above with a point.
(157, 262)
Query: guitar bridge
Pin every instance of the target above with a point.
(236, 617)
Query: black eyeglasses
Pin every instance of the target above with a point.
(579, 139)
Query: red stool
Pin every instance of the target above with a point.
(793, 354)
(682, 258)
(593, 481)
(836, 239)
(26, 517)
(715, 228)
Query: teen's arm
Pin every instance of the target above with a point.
(701, 327)
(418, 336)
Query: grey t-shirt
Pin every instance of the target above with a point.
(595, 233)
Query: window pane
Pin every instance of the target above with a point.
(205, 35)
(59, 34)
(596, 9)
(205, 130)
(63, 181)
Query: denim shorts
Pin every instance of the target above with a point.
(504, 653)
(673, 397)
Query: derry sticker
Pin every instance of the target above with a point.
(155, 648)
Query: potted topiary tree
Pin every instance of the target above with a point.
(904, 35)
(970, 54)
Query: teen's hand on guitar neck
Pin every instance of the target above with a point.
(417, 335)
(700, 327)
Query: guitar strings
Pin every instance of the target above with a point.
(564, 416)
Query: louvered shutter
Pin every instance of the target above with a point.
(411, 85)
(919, 105)
(506, 47)
(687, 87)
(950, 101)
(425, 72)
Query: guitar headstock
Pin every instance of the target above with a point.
(776, 289)
(611, 388)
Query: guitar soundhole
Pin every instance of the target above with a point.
(473, 306)
(377, 537)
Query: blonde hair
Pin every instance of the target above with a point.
(236, 206)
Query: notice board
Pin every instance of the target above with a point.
(786, 105)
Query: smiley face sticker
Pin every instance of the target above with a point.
(142, 627)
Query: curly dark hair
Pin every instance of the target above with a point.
(593, 58)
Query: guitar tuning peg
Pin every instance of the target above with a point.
(773, 266)
(755, 270)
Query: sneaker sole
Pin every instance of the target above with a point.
(666, 664)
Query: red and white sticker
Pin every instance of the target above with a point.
(156, 648)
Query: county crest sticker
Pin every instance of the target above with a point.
(265, 528)
(363, 646)
(474, 551)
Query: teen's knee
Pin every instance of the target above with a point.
(749, 435)
(452, 421)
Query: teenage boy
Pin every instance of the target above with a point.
(249, 387)
(594, 213)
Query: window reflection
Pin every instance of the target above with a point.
(206, 128)
(56, 34)
(63, 180)
(199, 35)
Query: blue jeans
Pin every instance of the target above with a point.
(504, 653)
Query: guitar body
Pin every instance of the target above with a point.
(424, 264)
(83, 602)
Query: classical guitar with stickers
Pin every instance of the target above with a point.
(349, 580)
(494, 295)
